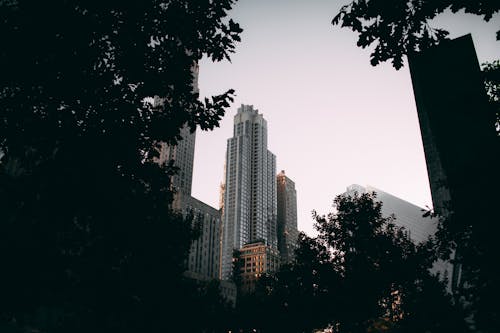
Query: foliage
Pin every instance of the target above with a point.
(212, 311)
(237, 265)
(491, 71)
(466, 234)
(88, 241)
(361, 273)
(398, 28)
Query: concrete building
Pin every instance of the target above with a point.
(256, 258)
(250, 187)
(287, 217)
(204, 256)
(183, 156)
(203, 260)
(456, 121)
(408, 216)
(183, 152)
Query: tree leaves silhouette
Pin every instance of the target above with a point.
(88, 241)
(397, 28)
(361, 273)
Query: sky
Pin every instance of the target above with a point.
(333, 119)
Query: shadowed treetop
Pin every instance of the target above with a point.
(399, 27)
(88, 242)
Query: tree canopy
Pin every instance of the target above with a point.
(397, 28)
(88, 241)
(361, 273)
(491, 72)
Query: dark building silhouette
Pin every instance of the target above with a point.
(458, 133)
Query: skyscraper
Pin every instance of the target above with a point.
(203, 261)
(457, 125)
(287, 217)
(183, 156)
(408, 216)
(183, 152)
(250, 187)
(460, 143)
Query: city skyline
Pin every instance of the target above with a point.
(302, 73)
(119, 214)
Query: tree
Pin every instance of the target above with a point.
(361, 273)
(398, 28)
(88, 241)
(491, 72)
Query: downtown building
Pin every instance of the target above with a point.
(410, 217)
(256, 258)
(249, 191)
(288, 233)
(203, 260)
(182, 153)
(461, 148)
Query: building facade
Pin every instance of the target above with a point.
(460, 141)
(287, 217)
(250, 187)
(256, 258)
(183, 152)
(203, 260)
(408, 216)
(204, 256)
(183, 156)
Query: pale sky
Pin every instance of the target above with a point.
(333, 119)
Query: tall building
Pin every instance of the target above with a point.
(204, 256)
(456, 121)
(250, 187)
(203, 260)
(460, 142)
(410, 217)
(407, 214)
(183, 156)
(183, 152)
(287, 217)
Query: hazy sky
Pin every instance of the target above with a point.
(333, 119)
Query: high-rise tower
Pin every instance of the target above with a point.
(287, 217)
(408, 216)
(203, 261)
(183, 156)
(461, 148)
(250, 187)
(182, 153)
